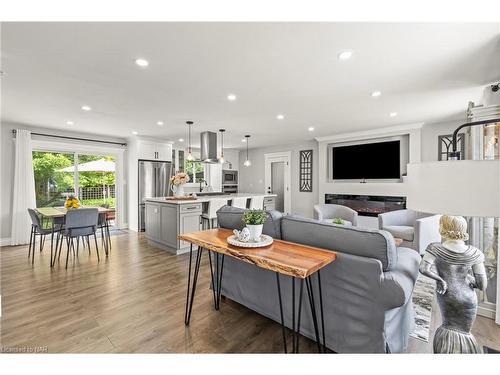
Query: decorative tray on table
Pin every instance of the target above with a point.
(265, 240)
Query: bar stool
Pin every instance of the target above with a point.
(257, 203)
(213, 206)
(239, 202)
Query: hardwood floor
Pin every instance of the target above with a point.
(133, 301)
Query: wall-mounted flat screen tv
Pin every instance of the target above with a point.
(379, 161)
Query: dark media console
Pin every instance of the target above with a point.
(367, 205)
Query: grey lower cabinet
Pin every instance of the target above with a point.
(269, 203)
(164, 222)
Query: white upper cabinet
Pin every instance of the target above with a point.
(155, 151)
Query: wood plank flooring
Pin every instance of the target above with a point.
(133, 302)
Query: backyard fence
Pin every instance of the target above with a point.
(96, 192)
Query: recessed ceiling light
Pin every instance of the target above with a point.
(135, 133)
(70, 123)
(243, 140)
(310, 128)
(280, 117)
(159, 123)
(142, 63)
(231, 97)
(345, 55)
(86, 108)
(393, 114)
(376, 94)
(181, 139)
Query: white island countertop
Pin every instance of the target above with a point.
(207, 198)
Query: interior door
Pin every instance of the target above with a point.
(278, 183)
(281, 168)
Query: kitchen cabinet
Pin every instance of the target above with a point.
(165, 221)
(178, 160)
(152, 221)
(149, 150)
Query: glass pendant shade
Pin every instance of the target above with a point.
(189, 156)
(221, 159)
(247, 162)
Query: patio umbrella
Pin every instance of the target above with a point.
(101, 165)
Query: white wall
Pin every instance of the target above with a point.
(7, 167)
(251, 179)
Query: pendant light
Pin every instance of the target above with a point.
(247, 162)
(221, 159)
(190, 154)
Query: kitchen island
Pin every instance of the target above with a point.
(166, 219)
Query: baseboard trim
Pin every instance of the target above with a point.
(5, 241)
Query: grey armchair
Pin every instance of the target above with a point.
(416, 229)
(328, 212)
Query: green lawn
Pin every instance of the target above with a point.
(98, 202)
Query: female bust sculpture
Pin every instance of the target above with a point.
(460, 269)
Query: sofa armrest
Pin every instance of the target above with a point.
(399, 217)
(398, 283)
(426, 232)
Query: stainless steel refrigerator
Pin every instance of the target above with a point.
(154, 177)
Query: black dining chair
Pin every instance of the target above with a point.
(37, 229)
(79, 223)
(103, 225)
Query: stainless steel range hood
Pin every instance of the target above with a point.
(208, 147)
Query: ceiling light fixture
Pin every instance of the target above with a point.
(393, 114)
(181, 139)
(243, 140)
(345, 55)
(247, 162)
(142, 63)
(70, 123)
(231, 97)
(86, 108)
(376, 94)
(135, 133)
(221, 159)
(280, 117)
(190, 154)
(311, 129)
(159, 123)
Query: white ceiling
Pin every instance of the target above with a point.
(426, 73)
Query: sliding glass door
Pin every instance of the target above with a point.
(52, 184)
(91, 177)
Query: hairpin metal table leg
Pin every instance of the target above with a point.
(283, 328)
(190, 296)
(312, 305)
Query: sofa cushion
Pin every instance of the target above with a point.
(401, 231)
(371, 243)
(232, 218)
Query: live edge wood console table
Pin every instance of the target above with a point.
(284, 258)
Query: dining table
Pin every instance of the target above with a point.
(53, 213)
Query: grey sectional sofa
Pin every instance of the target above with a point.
(366, 291)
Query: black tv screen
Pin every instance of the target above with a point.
(366, 161)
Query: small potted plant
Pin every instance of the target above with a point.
(177, 183)
(254, 220)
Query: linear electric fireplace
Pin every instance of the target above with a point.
(367, 205)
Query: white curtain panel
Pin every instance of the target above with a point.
(24, 189)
